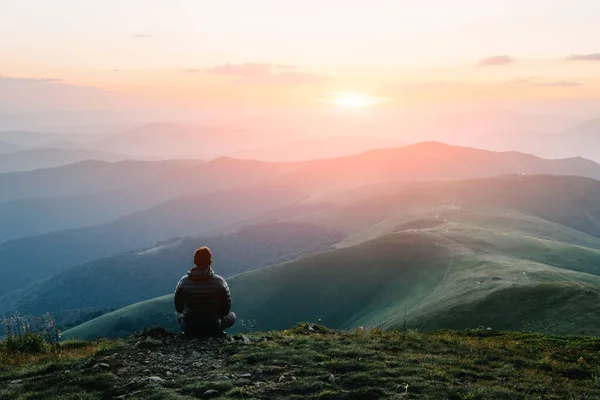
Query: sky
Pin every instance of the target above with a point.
(284, 53)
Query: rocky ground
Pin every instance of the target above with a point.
(313, 362)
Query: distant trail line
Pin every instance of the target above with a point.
(449, 267)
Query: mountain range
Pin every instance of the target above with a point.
(394, 237)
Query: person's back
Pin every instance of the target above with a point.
(202, 299)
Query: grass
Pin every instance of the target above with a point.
(501, 269)
(53, 374)
(365, 364)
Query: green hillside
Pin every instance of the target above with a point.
(471, 269)
(124, 279)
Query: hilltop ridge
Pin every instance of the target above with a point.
(313, 362)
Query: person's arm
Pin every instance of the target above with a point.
(178, 298)
(225, 300)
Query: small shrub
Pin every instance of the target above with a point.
(30, 335)
(27, 343)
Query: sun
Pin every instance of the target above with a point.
(355, 100)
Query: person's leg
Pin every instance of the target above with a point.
(228, 321)
(179, 318)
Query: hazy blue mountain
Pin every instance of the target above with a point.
(120, 280)
(6, 147)
(323, 147)
(27, 260)
(86, 177)
(172, 140)
(112, 190)
(37, 139)
(31, 159)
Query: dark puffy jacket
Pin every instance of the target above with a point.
(202, 297)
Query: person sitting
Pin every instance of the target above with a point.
(203, 299)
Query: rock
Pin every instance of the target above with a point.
(281, 379)
(331, 379)
(155, 379)
(101, 365)
(197, 364)
(245, 376)
(148, 343)
(16, 381)
(210, 393)
(221, 378)
(169, 373)
(402, 389)
(196, 354)
(146, 371)
(294, 379)
(245, 339)
(310, 328)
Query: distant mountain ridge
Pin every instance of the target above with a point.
(32, 159)
(195, 197)
(454, 255)
(201, 213)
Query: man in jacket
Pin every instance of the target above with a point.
(203, 300)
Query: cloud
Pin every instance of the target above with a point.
(25, 94)
(284, 78)
(142, 36)
(537, 82)
(21, 81)
(584, 57)
(496, 61)
(558, 84)
(263, 74)
(247, 70)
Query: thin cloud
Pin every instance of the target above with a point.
(7, 79)
(142, 36)
(496, 61)
(559, 84)
(247, 70)
(537, 82)
(584, 57)
(263, 74)
(284, 78)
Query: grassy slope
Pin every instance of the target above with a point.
(297, 364)
(459, 274)
(452, 244)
